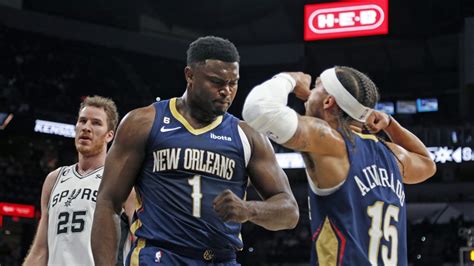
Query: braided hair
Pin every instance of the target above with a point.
(361, 87)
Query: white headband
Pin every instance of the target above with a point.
(344, 99)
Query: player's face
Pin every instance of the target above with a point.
(214, 85)
(92, 134)
(314, 104)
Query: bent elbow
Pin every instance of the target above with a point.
(295, 217)
(432, 169)
(422, 173)
(250, 111)
(288, 218)
(293, 214)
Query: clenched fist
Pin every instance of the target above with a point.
(230, 208)
(377, 121)
(302, 88)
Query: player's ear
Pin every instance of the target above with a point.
(188, 74)
(109, 136)
(329, 102)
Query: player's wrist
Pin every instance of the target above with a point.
(390, 118)
(390, 129)
(251, 210)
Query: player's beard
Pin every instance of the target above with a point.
(218, 109)
(90, 150)
(218, 112)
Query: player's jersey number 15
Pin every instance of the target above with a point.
(383, 227)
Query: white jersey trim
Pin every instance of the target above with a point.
(322, 191)
(61, 169)
(246, 145)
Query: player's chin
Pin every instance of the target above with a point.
(86, 149)
(221, 108)
(82, 148)
(218, 112)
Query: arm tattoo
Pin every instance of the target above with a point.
(323, 128)
(320, 128)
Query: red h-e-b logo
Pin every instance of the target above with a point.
(345, 19)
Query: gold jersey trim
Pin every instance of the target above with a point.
(180, 118)
(367, 136)
(327, 245)
(135, 259)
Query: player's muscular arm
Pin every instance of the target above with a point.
(417, 165)
(38, 254)
(316, 136)
(279, 209)
(121, 168)
(130, 205)
(265, 110)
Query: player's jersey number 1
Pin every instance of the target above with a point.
(195, 182)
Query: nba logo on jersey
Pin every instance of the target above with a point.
(158, 256)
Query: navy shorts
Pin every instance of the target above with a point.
(144, 253)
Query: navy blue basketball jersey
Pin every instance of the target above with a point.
(363, 220)
(183, 171)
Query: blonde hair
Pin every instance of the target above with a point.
(107, 104)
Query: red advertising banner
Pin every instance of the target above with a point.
(345, 19)
(17, 210)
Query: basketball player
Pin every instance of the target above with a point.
(69, 193)
(189, 160)
(357, 199)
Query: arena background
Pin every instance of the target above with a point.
(53, 53)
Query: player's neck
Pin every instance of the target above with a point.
(197, 117)
(87, 164)
(332, 120)
(333, 124)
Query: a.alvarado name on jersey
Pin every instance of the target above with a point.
(378, 177)
(194, 159)
(67, 196)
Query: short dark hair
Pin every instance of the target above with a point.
(212, 47)
(107, 104)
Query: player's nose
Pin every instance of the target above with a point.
(87, 126)
(225, 90)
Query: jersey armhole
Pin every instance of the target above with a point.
(245, 145)
(155, 125)
(61, 170)
(323, 191)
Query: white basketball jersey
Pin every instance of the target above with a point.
(71, 210)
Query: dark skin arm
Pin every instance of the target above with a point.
(279, 209)
(129, 207)
(121, 168)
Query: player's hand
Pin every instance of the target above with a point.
(231, 208)
(302, 89)
(377, 121)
